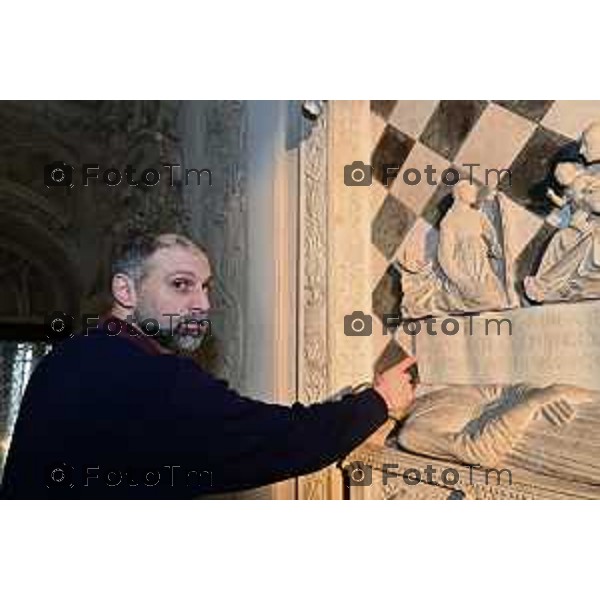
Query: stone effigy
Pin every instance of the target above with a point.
(553, 430)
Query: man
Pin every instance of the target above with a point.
(118, 413)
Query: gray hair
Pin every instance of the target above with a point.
(131, 257)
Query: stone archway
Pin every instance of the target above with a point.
(36, 265)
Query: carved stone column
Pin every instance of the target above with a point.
(313, 364)
(334, 266)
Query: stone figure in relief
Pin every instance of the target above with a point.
(553, 430)
(466, 272)
(570, 266)
(576, 182)
(468, 245)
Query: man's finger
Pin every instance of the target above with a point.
(406, 363)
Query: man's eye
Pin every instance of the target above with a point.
(182, 284)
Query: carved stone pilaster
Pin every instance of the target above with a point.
(314, 384)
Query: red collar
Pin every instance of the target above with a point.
(125, 330)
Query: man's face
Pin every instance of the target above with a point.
(177, 282)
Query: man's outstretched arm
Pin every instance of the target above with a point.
(249, 443)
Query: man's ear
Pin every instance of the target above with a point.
(123, 291)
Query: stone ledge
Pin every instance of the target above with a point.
(473, 483)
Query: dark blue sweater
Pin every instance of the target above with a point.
(109, 417)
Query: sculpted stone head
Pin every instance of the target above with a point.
(590, 143)
(465, 192)
(566, 172)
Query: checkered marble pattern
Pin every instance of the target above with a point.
(527, 137)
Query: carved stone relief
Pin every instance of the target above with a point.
(551, 430)
(429, 478)
(570, 266)
(466, 268)
(496, 255)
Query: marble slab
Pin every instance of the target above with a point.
(539, 345)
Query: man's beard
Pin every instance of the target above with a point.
(175, 335)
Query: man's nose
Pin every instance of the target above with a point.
(201, 302)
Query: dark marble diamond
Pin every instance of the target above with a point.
(529, 259)
(531, 173)
(383, 108)
(387, 294)
(390, 225)
(438, 205)
(392, 149)
(392, 354)
(534, 110)
(450, 124)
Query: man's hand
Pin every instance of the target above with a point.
(395, 387)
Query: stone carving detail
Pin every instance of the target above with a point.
(478, 491)
(570, 266)
(396, 489)
(313, 190)
(466, 482)
(551, 431)
(465, 269)
(546, 436)
(313, 367)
